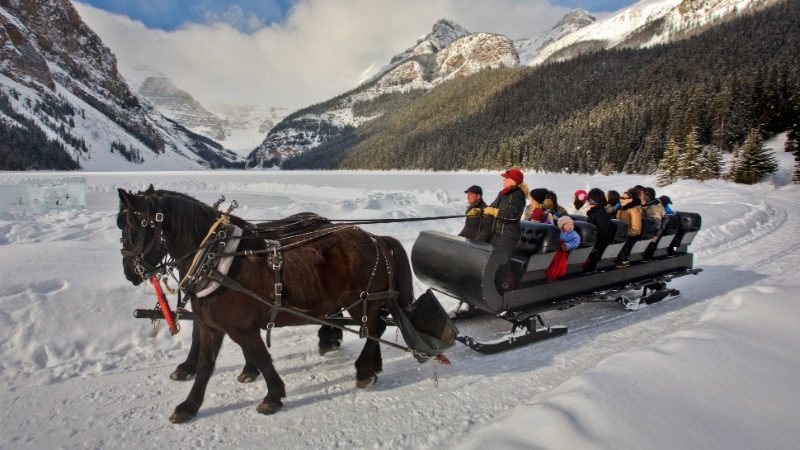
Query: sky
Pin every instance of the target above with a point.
(292, 53)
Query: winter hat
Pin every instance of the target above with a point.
(563, 220)
(665, 200)
(514, 174)
(580, 194)
(539, 195)
(475, 189)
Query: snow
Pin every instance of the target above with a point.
(714, 368)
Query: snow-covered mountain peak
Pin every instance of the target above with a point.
(577, 18)
(444, 32)
(574, 20)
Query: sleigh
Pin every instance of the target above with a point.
(473, 273)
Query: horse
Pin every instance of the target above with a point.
(322, 275)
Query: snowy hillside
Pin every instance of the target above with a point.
(574, 20)
(59, 80)
(448, 51)
(645, 23)
(715, 368)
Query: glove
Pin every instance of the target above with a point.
(489, 211)
(474, 212)
(564, 247)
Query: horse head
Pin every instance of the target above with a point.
(143, 240)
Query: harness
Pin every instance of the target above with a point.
(204, 270)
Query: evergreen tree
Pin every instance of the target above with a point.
(710, 163)
(793, 146)
(689, 161)
(668, 167)
(753, 162)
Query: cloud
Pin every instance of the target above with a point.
(317, 51)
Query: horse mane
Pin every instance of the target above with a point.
(195, 217)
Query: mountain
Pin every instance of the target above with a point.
(529, 48)
(643, 24)
(237, 127)
(246, 125)
(181, 107)
(447, 52)
(64, 105)
(609, 110)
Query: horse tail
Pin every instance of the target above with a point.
(402, 272)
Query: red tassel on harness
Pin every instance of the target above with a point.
(162, 302)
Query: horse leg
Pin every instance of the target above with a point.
(210, 343)
(249, 371)
(256, 352)
(369, 363)
(330, 338)
(186, 369)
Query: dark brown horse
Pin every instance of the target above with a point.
(320, 277)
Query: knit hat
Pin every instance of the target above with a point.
(514, 174)
(580, 194)
(563, 220)
(539, 195)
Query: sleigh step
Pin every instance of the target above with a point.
(486, 348)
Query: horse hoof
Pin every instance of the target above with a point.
(336, 345)
(363, 384)
(269, 407)
(247, 377)
(181, 375)
(181, 417)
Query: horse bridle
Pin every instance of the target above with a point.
(141, 249)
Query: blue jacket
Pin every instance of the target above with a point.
(572, 239)
(668, 210)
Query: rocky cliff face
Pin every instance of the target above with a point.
(446, 52)
(58, 74)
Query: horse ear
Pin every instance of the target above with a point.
(150, 189)
(123, 196)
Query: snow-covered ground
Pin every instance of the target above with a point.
(713, 368)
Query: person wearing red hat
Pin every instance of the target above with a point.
(580, 205)
(504, 213)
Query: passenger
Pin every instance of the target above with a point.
(538, 213)
(475, 205)
(612, 202)
(666, 202)
(631, 214)
(579, 204)
(505, 212)
(651, 206)
(570, 239)
(606, 230)
(551, 204)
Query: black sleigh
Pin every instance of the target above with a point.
(471, 272)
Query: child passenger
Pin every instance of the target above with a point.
(570, 239)
(538, 212)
